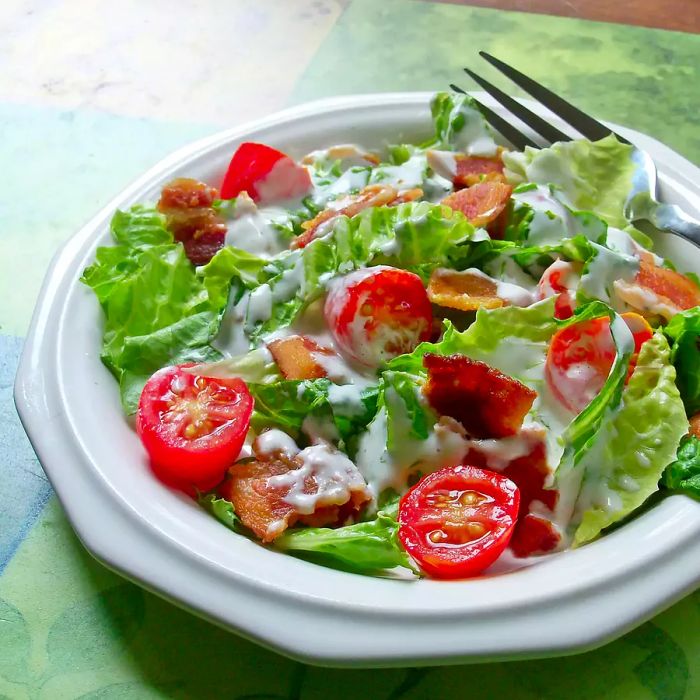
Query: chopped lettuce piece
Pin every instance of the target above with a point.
(592, 175)
(636, 442)
(363, 548)
(158, 310)
(460, 126)
(684, 474)
(416, 236)
(602, 270)
(684, 331)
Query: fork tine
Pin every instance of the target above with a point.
(588, 126)
(551, 133)
(517, 138)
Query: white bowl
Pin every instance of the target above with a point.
(69, 405)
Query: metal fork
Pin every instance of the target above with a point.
(642, 202)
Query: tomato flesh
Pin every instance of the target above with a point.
(581, 355)
(378, 313)
(193, 427)
(457, 521)
(560, 280)
(265, 173)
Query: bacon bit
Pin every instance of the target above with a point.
(534, 535)
(671, 287)
(262, 508)
(474, 169)
(482, 203)
(187, 205)
(370, 196)
(694, 425)
(462, 290)
(406, 196)
(486, 402)
(296, 357)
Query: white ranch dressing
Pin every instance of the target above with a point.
(443, 163)
(551, 220)
(232, 340)
(275, 441)
(335, 477)
(252, 229)
(406, 176)
(601, 273)
(644, 300)
(509, 292)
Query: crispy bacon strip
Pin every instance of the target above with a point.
(187, 205)
(462, 290)
(486, 402)
(297, 357)
(482, 203)
(474, 169)
(370, 196)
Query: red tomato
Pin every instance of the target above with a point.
(581, 355)
(265, 173)
(378, 313)
(560, 279)
(193, 427)
(457, 521)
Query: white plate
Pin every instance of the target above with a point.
(69, 405)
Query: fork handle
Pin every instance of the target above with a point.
(670, 217)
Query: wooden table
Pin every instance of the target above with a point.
(678, 15)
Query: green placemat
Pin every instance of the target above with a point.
(68, 627)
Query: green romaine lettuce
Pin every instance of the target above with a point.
(684, 473)
(636, 442)
(459, 125)
(592, 175)
(158, 310)
(363, 548)
(684, 331)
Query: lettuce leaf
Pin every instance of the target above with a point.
(459, 125)
(684, 331)
(636, 442)
(684, 473)
(592, 175)
(158, 310)
(416, 236)
(363, 548)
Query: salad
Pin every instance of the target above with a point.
(429, 356)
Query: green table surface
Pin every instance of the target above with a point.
(90, 95)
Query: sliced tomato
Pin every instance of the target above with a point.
(534, 535)
(457, 521)
(193, 427)
(694, 425)
(265, 173)
(560, 279)
(378, 313)
(482, 203)
(581, 355)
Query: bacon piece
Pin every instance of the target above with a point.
(297, 357)
(370, 196)
(482, 203)
(694, 425)
(474, 169)
(406, 196)
(486, 402)
(261, 501)
(534, 535)
(187, 205)
(463, 290)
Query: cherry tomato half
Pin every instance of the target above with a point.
(378, 313)
(581, 355)
(265, 173)
(193, 427)
(560, 279)
(457, 521)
